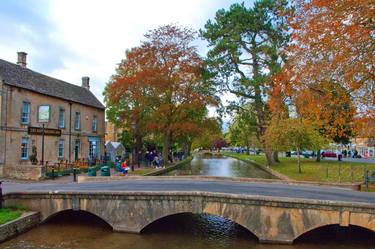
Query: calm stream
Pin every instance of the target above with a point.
(80, 230)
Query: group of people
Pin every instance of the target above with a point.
(154, 159)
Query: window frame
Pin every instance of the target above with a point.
(28, 113)
(61, 110)
(94, 124)
(61, 141)
(79, 121)
(27, 148)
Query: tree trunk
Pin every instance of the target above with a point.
(299, 161)
(318, 156)
(166, 145)
(276, 156)
(269, 157)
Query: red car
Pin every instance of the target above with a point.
(328, 154)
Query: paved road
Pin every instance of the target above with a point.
(246, 188)
(354, 160)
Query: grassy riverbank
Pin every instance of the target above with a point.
(324, 171)
(9, 214)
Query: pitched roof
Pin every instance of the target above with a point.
(18, 76)
(115, 145)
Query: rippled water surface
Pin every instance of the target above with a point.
(221, 167)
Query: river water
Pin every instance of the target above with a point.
(230, 167)
(80, 230)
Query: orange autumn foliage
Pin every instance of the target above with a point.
(329, 76)
(160, 83)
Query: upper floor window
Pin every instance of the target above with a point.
(61, 118)
(25, 114)
(77, 121)
(25, 148)
(61, 148)
(94, 123)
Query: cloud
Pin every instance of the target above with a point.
(71, 39)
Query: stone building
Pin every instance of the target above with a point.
(73, 120)
(112, 132)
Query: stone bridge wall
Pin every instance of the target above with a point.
(272, 220)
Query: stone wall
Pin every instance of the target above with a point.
(22, 224)
(27, 171)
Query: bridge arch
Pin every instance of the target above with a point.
(79, 212)
(327, 231)
(232, 219)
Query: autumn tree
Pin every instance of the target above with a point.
(329, 76)
(333, 44)
(161, 87)
(245, 53)
(210, 131)
(127, 97)
(293, 134)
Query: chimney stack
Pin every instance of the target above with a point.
(86, 82)
(21, 59)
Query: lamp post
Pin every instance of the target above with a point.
(134, 126)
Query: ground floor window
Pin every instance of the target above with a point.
(61, 148)
(25, 148)
(93, 148)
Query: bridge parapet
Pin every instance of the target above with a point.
(272, 220)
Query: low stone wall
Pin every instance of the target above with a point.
(349, 186)
(22, 224)
(26, 172)
(170, 168)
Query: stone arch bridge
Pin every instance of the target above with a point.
(272, 220)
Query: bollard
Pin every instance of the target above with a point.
(74, 175)
(1, 194)
(53, 173)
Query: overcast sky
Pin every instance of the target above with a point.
(68, 39)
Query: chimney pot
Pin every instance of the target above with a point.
(21, 59)
(86, 82)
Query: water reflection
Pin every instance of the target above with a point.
(79, 230)
(228, 167)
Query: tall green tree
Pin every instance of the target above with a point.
(242, 131)
(245, 53)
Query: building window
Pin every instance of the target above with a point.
(94, 123)
(25, 115)
(25, 148)
(61, 118)
(77, 121)
(61, 148)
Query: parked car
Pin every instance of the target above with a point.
(328, 154)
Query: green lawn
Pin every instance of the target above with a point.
(7, 214)
(324, 171)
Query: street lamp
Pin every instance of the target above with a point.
(134, 126)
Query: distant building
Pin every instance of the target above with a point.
(112, 132)
(29, 100)
(114, 150)
(364, 143)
